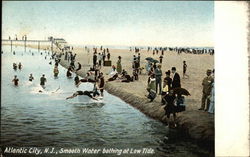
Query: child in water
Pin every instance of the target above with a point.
(31, 78)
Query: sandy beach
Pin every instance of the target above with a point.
(197, 66)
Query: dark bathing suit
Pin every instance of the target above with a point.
(42, 81)
(16, 82)
(85, 93)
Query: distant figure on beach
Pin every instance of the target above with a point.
(14, 66)
(119, 65)
(176, 79)
(207, 86)
(101, 83)
(94, 60)
(19, 66)
(43, 80)
(15, 80)
(108, 55)
(56, 71)
(161, 59)
(31, 78)
(99, 59)
(87, 93)
(185, 69)
(151, 88)
(158, 75)
(103, 57)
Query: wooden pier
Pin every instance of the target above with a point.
(29, 41)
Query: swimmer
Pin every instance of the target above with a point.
(15, 80)
(31, 78)
(87, 93)
(56, 71)
(42, 81)
(19, 66)
(14, 66)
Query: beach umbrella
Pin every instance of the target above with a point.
(181, 91)
(155, 61)
(149, 59)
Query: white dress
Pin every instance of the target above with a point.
(211, 106)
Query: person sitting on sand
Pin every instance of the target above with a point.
(124, 72)
(87, 93)
(31, 78)
(114, 77)
(43, 80)
(69, 74)
(15, 80)
(113, 71)
(127, 78)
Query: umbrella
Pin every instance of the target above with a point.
(181, 91)
(155, 61)
(149, 59)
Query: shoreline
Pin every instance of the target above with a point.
(198, 125)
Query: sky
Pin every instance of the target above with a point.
(123, 23)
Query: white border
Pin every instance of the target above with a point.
(231, 79)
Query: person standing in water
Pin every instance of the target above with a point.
(19, 66)
(77, 80)
(14, 66)
(31, 78)
(101, 83)
(56, 71)
(15, 80)
(43, 80)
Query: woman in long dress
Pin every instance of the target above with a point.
(211, 105)
(119, 65)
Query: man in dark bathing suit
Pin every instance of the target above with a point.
(87, 93)
(15, 80)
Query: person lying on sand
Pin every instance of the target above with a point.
(87, 93)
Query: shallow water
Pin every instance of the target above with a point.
(30, 118)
